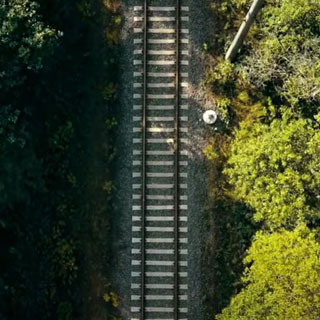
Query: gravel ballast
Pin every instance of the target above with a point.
(201, 28)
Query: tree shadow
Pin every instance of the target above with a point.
(231, 230)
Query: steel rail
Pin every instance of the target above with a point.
(144, 160)
(176, 165)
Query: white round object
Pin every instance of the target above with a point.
(210, 117)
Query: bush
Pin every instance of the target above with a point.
(55, 152)
(25, 42)
(282, 279)
(275, 170)
(270, 97)
(284, 51)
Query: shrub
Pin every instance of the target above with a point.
(284, 51)
(275, 169)
(282, 279)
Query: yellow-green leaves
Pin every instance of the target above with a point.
(111, 297)
(276, 169)
(25, 41)
(282, 280)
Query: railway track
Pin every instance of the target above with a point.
(159, 212)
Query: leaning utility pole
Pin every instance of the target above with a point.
(244, 29)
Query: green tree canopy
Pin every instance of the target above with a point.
(282, 51)
(269, 101)
(282, 280)
(275, 169)
(55, 156)
(25, 42)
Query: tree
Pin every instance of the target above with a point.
(25, 45)
(284, 52)
(54, 147)
(275, 169)
(25, 42)
(282, 280)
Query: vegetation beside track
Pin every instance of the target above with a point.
(263, 164)
(58, 85)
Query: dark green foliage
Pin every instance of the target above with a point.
(55, 156)
(25, 43)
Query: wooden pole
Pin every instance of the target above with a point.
(244, 29)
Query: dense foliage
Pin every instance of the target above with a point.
(55, 153)
(25, 44)
(274, 168)
(285, 51)
(267, 156)
(280, 57)
(282, 280)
